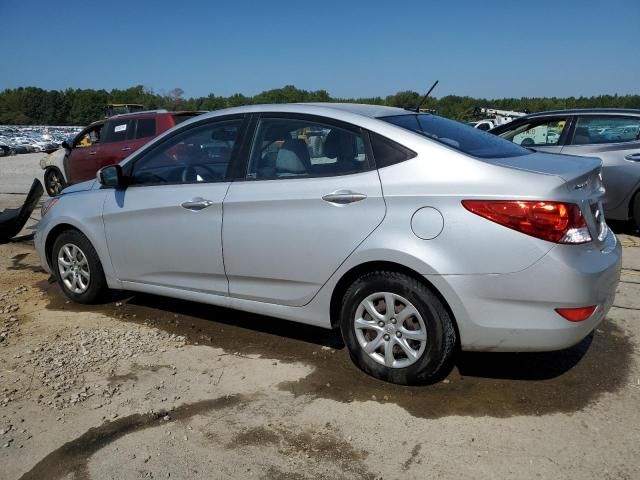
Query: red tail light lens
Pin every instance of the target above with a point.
(553, 221)
(576, 314)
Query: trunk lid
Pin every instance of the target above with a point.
(583, 182)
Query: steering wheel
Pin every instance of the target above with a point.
(190, 173)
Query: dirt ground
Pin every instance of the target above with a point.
(148, 387)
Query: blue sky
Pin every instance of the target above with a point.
(350, 48)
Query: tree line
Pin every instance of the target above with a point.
(36, 106)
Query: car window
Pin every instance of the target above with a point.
(387, 152)
(116, 131)
(464, 138)
(89, 137)
(146, 127)
(537, 132)
(286, 148)
(606, 129)
(199, 154)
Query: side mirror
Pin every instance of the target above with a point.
(66, 145)
(111, 176)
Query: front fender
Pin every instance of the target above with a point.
(87, 219)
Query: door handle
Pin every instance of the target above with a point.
(197, 204)
(634, 157)
(93, 153)
(343, 197)
(126, 149)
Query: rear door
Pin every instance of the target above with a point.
(138, 132)
(615, 139)
(116, 144)
(310, 196)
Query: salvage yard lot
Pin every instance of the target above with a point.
(150, 387)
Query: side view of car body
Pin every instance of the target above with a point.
(105, 142)
(612, 135)
(411, 233)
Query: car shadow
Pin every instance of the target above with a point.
(627, 228)
(475, 384)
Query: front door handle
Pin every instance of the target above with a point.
(634, 157)
(343, 197)
(197, 204)
(93, 153)
(126, 149)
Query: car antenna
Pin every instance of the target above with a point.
(426, 95)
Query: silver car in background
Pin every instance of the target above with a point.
(612, 135)
(413, 234)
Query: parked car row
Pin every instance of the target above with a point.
(19, 139)
(413, 234)
(105, 142)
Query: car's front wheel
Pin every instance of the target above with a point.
(396, 328)
(53, 181)
(77, 267)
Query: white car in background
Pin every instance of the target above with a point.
(54, 177)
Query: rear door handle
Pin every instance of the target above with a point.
(197, 204)
(634, 157)
(343, 197)
(126, 149)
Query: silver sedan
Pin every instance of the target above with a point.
(414, 235)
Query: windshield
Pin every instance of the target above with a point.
(458, 135)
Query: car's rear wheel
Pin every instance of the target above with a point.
(53, 181)
(635, 211)
(396, 328)
(77, 267)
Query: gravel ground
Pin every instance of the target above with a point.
(18, 171)
(148, 387)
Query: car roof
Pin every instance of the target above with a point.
(337, 110)
(585, 111)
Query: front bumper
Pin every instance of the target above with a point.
(515, 312)
(40, 248)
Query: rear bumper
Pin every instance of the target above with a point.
(515, 312)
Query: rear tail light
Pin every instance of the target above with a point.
(556, 222)
(576, 314)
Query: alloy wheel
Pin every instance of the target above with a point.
(390, 329)
(74, 268)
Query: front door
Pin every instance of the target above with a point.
(542, 134)
(311, 196)
(81, 163)
(165, 229)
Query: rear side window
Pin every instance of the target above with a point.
(604, 129)
(290, 148)
(146, 127)
(117, 131)
(457, 135)
(387, 152)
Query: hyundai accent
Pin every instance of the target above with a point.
(414, 235)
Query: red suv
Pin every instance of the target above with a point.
(108, 141)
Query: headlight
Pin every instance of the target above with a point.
(46, 206)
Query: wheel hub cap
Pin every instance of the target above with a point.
(390, 330)
(74, 268)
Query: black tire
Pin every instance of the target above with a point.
(97, 285)
(53, 181)
(441, 334)
(635, 211)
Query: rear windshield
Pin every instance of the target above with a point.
(458, 135)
